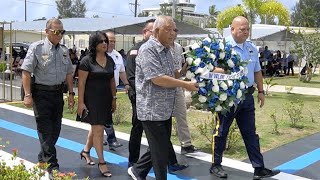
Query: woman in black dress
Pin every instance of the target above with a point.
(96, 90)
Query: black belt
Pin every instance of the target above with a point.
(251, 89)
(58, 87)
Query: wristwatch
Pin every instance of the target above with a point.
(72, 93)
(261, 92)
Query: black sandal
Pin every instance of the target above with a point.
(106, 173)
(90, 162)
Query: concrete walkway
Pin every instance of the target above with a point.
(295, 90)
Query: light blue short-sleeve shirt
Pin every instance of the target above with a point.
(247, 53)
(154, 103)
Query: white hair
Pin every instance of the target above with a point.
(161, 21)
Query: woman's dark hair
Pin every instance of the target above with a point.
(94, 39)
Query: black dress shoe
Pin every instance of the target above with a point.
(177, 167)
(189, 149)
(218, 171)
(114, 145)
(105, 143)
(264, 173)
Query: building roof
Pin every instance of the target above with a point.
(265, 31)
(120, 25)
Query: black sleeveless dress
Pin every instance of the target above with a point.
(97, 94)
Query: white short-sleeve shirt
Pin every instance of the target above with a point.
(119, 66)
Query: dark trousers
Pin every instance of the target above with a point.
(290, 67)
(245, 117)
(48, 108)
(160, 149)
(135, 134)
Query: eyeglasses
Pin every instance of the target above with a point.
(57, 32)
(103, 41)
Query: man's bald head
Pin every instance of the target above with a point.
(112, 41)
(240, 29)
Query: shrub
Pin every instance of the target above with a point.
(294, 110)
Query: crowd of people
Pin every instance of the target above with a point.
(277, 64)
(150, 74)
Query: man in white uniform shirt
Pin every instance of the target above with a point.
(118, 72)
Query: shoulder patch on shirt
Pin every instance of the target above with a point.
(134, 52)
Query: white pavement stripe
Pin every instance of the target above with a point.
(10, 85)
(7, 157)
(198, 155)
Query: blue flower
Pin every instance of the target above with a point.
(202, 91)
(205, 43)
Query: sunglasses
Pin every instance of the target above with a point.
(58, 32)
(103, 41)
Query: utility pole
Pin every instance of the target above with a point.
(173, 9)
(181, 15)
(135, 8)
(25, 10)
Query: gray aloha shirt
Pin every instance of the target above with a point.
(154, 103)
(49, 64)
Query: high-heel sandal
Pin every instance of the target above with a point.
(106, 173)
(90, 162)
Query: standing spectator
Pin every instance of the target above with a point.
(124, 57)
(290, 60)
(155, 91)
(51, 66)
(267, 54)
(180, 108)
(245, 112)
(97, 96)
(119, 71)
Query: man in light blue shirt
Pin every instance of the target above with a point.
(244, 114)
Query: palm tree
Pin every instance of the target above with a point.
(213, 16)
(253, 8)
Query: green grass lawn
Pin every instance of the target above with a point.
(294, 81)
(264, 123)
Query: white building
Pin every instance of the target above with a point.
(184, 7)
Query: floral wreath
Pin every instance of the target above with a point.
(217, 92)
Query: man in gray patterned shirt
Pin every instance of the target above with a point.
(155, 93)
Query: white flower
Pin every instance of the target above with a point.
(223, 85)
(212, 56)
(218, 108)
(199, 70)
(194, 80)
(205, 72)
(195, 45)
(189, 75)
(223, 96)
(207, 39)
(233, 52)
(231, 103)
(197, 61)
(189, 60)
(245, 70)
(230, 83)
(215, 88)
(239, 93)
(230, 63)
(241, 68)
(202, 84)
(242, 85)
(202, 99)
(222, 55)
(210, 67)
(221, 45)
(207, 49)
(215, 82)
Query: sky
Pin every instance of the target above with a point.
(13, 10)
